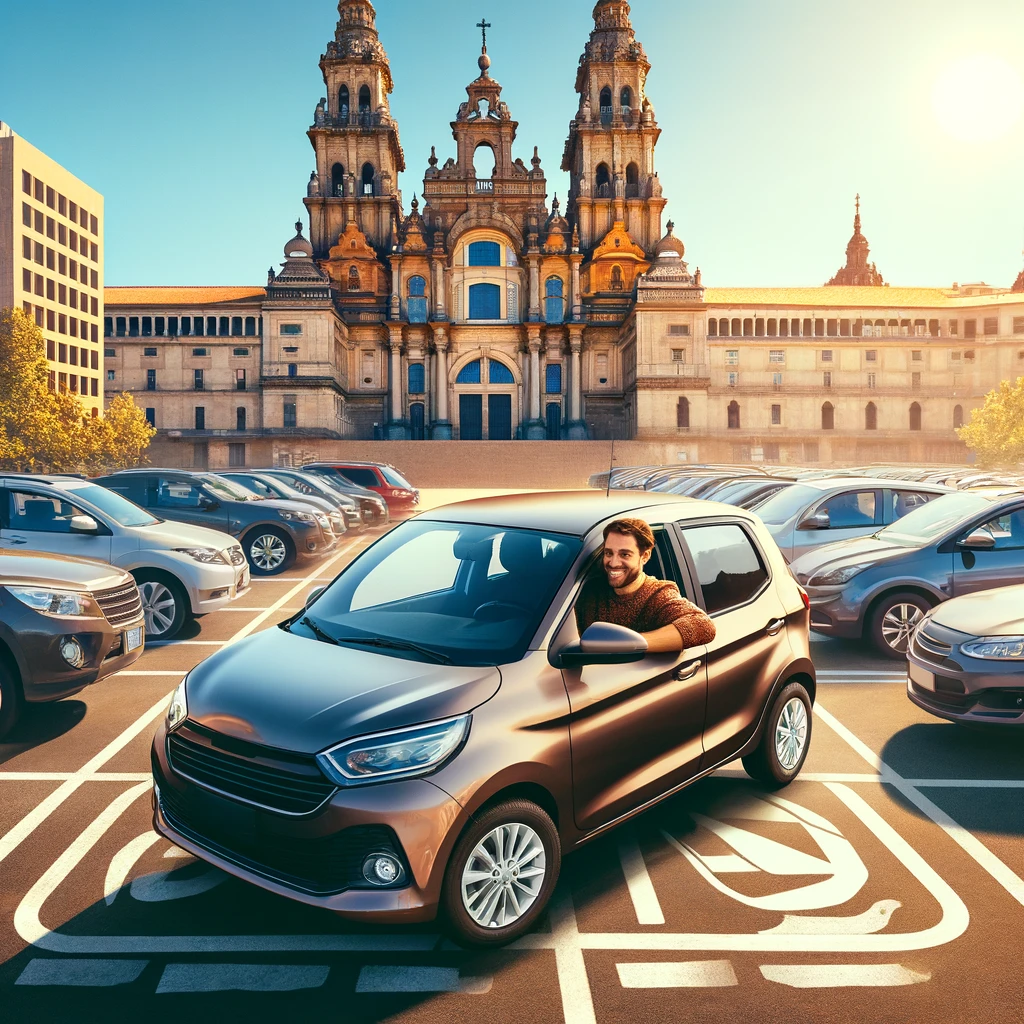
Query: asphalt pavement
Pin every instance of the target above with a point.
(884, 885)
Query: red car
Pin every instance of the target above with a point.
(399, 495)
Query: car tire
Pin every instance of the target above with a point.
(269, 550)
(471, 917)
(165, 603)
(785, 739)
(11, 701)
(893, 621)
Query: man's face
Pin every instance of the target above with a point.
(623, 562)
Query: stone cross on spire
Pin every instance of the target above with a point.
(484, 25)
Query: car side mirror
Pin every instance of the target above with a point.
(84, 524)
(209, 504)
(977, 541)
(819, 521)
(604, 643)
(313, 595)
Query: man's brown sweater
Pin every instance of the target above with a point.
(656, 603)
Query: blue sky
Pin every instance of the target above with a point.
(191, 118)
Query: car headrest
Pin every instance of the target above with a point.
(468, 550)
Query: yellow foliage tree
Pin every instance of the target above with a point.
(996, 431)
(120, 439)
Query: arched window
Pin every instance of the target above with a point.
(354, 284)
(603, 180)
(958, 417)
(485, 163)
(626, 98)
(828, 417)
(748, 327)
(606, 104)
(470, 373)
(417, 302)
(338, 180)
(632, 181)
(499, 373)
(343, 103)
(367, 179)
(737, 330)
(484, 254)
(553, 379)
(712, 328)
(417, 379)
(554, 307)
(250, 326)
(617, 282)
(734, 415)
(915, 416)
(364, 100)
(484, 302)
(871, 416)
(683, 414)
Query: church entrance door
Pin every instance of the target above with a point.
(471, 417)
(499, 417)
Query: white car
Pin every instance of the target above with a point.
(182, 571)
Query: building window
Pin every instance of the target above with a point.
(915, 381)
(111, 374)
(417, 379)
(826, 355)
(871, 356)
(236, 454)
(241, 352)
(678, 354)
(200, 352)
(291, 329)
(958, 417)
(777, 355)
(826, 379)
(1018, 325)
(734, 416)
(291, 418)
(499, 373)
(198, 381)
(151, 380)
(151, 416)
(970, 329)
(240, 415)
(293, 369)
(915, 417)
(683, 414)
(250, 326)
(991, 325)
(484, 301)
(236, 325)
(871, 416)
(602, 369)
(732, 357)
(917, 355)
(484, 254)
(200, 417)
(149, 353)
(470, 373)
(553, 379)
(618, 283)
(417, 302)
(777, 381)
(679, 330)
(734, 379)
(712, 328)
(776, 415)
(554, 305)
(239, 380)
(828, 416)
(872, 379)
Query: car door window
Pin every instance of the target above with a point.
(1006, 530)
(852, 509)
(172, 493)
(902, 502)
(729, 568)
(363, 477)
(34, 513)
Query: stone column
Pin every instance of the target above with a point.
(440, 306)
(396, 287)
(396, 428)
(575, 300)
(533, 312)
(442, 428)
(535, 429)
(577, 430)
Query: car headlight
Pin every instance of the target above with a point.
(394, 755)
(207, 555)
(58, 602)
(299, 517)
(322, 519)
(837, 577)
(177, 710)
(995, 648)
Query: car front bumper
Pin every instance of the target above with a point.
(216, 586)
(833, 613)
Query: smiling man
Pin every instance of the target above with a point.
(627, 596)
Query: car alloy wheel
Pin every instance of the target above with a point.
(791, 733)
(159, 606)
(785, 738)
(268, 552)
(898, 625)
(504, 875)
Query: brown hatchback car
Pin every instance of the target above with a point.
(432, 733)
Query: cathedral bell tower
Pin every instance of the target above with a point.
(358, 153)
(610, 150)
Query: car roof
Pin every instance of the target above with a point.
(570, 512)
(55, 480)
(829, 482)
(330, 464)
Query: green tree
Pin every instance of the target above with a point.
(120, 439)
(996, 431)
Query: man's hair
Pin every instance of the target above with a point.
(636, 528)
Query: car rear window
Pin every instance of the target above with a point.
(729, 568)
(363, 477)
(395, 478)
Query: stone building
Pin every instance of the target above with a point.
(482, 311)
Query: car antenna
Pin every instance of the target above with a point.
(611, 465)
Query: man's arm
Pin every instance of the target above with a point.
(680, 623)
(668, 638)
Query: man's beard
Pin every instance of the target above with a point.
(627, 580)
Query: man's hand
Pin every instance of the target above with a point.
(663, 640)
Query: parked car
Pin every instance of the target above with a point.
(817, 512)
(369, 501)
(272, 533)
(882, 586)
(747, 492)
(351, 506)
(65, 623)
(399, 495)
(437, 701)
(181, 570)
(328, 515)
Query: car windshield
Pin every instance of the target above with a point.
(473, 594)
(395, 478)
(119, 508)
(228, 490)
(781, 507)
(932, 521)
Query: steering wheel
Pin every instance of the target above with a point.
(491, 611)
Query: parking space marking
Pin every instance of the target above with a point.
(188, 643)
(842, 975)
(64, 776)
(181, 978)
(165, 672)
(696, 974)
(81, 973)
(638, 882)
(966, 840)
(376, 978)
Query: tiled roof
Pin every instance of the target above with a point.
(836, 297)
(174, 296)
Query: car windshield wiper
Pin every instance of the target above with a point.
(373, 641)
(320, 634)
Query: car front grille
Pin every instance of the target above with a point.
(277, 780)
(120, 605)
(931, 648)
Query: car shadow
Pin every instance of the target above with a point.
(40, 723)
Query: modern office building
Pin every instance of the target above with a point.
(51, 263)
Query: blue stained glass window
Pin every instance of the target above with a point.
(417, 379)
(417, 287)
(554, 309)
(416, 305)
(499, 373)
(484, 254)
(469, 374)
(484, 302)
(553, 379)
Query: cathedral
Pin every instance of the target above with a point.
(485, 310)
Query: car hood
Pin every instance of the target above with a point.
(845, 552)
(293, 693)
(59, 571)
(173, 535)
(997, 612)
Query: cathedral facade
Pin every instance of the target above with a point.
(484, 311)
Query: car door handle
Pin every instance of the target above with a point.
(775, 627)
(19, 540)
(689, 671)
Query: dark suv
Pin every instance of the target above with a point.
(273, 533)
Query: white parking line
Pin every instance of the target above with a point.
(376, 978)
(187, 643)
(697, 974)
(81, 973)
(178, 978)
(64, 776)
(169, 672)
(843, 975)
(638, 881)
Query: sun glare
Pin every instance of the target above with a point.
(978, 98)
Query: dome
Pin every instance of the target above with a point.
(298, 246)
(670, 247)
